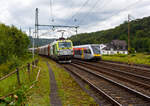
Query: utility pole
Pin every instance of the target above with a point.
(32, 43)
(76, 30)
(129, 48)
(129, 34)
(33, 47)
(36, 26)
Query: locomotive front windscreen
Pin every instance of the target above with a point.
(96, 49)
(64, 44)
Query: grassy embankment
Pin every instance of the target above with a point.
(138, 58)
(10, 84)
(68, 90)
(13, 63)
(39, 95)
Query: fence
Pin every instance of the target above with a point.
(15, 79)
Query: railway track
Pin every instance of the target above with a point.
(114, 92)
(138, 82)
(135, 65)
(144, 71)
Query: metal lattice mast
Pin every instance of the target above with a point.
(36, 26)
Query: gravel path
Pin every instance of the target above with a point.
(54, 98)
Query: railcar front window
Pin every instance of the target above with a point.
(96, 49)
(64, 44)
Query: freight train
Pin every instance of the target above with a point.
(60, 50)
(87, 52)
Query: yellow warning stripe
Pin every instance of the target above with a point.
(82, 56)
(97, 55)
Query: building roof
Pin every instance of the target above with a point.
(119, 42)
(119, 45)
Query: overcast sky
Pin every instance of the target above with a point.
(90, 15)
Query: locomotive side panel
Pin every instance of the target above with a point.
(87, 52)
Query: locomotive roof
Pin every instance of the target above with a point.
(61, 41)
(86, 45)
(43, 46)
(54, 43)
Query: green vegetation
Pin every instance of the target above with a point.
(139, 35)
(18, 92)
(138, 58)
(39, 95)
(13, 48)
(14, 54)
(68, 90)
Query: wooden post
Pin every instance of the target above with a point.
(29, 70)
(32, 69)
(36, 62)
(18, 77)
(33, 65)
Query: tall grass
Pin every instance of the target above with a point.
(68, 90)
(13, 62)
(10, 84)
(138, 58)
(39, 95)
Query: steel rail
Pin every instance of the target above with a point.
(134, 66)
(116, 70)
(113, 101)
(114, 82)
(123, 78)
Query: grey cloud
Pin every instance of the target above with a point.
(104, 11)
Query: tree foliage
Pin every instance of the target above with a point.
(139, 35)
(13, 43)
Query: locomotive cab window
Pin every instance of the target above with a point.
(96, 49)
(64, 44)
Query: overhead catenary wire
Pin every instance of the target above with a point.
(78, 11)
(123, 9)
(51, 11)
(86, 2)
(95, 4)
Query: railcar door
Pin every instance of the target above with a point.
(87, 53)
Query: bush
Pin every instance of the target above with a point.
(121, 55)
(13, 62)
(148, 57)
(10, 65)
(132, 55)
(3, 69)
(132, 50)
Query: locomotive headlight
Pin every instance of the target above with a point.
(60, 52)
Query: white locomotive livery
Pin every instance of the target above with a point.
(87, 52)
